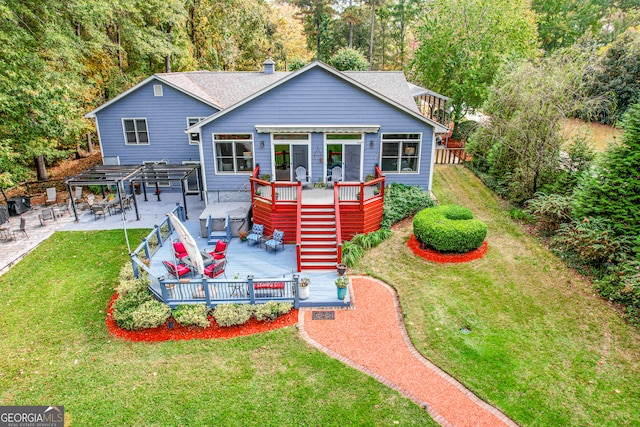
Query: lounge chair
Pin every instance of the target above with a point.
(336, 174)
(257, 231)
(275, 241)
(301, 176)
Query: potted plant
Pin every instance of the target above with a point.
(242, 235)
(342, 268)
(303, 285)
(341, 285)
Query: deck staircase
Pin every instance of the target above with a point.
(318, 250)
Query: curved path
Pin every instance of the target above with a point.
(373, 339)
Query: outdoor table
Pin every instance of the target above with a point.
(206, 258)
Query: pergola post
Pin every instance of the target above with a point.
(73, 202)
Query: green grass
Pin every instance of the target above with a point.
(543, 347)
(56, 351)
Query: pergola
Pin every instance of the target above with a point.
(134, 175)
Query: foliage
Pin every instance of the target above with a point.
(463, 129)
(401, 201)
(549, 211)
(232, 314)
(617, 78)
(192, 315)
(351, 253)
(590, 243)
(150, 314)
(304, 282)
(520, 147)
(612, 192)
(296, 63)
(342, 282)
(349, 60)
(126, 305)
(462, 44)
(621, 284)
(271, 310)
(449, 228)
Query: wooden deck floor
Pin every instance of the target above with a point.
(244, 260)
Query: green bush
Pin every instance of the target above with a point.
(449, 228)
(150, 314)
(549, 211)
(126, 305)
(401, 201)
(271, 310)
(192, 315)
(351, 253)
(622, 285)
(462, 130)
(232, 314)
(347, 59)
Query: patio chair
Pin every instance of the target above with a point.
(336, 174)
(98, 210)
(78, 195)
(220, 250)
(22, 229)
(176, 271)
(52, 196)
(45, 215)
(275, 241)
(301, 176)
(257, 231)
(216, 269)
(180, 250)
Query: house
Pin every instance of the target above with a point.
(255, 134)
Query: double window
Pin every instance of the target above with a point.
(233, 153)
(135, 131)
(194, 137)
(400, 152)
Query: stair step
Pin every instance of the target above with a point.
(318, 249)
(319, 265)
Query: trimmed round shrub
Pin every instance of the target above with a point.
(271, 310)
(449, 228)
(126, 305)
(232, 314)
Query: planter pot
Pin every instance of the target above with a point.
(342, 268)
(342, 292)
(304, 292)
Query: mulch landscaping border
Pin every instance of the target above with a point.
(178, 332)
(443, 258)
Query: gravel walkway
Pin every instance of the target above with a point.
(373, 339)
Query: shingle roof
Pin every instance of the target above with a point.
(227, 88)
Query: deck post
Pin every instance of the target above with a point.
(134, 265)
(252, 291)
(147, 252)
(296, 297)
(156, 229)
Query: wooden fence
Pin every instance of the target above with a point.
(450, 156)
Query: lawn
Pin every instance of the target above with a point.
(56, 351)
(543, 347)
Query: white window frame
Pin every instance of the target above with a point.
(401, 151)
(348, 141)
(157, 90)
(190, 135)
(158, 162)
(135, 127)
(235, 156)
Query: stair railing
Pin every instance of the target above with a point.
(299, 228)
(336, 204)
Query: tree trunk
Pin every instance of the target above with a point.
(89, 143)
(373, 14)
(41, 168)
(350, 28)
(167, 59)
(119, 50)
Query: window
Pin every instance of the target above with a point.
(194, 137)
(157, 175)
(157, 90)
(400, 152)
(135, 131)
(233, 153)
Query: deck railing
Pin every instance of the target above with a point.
(336, 204)
(361, 191)
(153, 242)
(299, 230)
(450, 156)
(219, 291)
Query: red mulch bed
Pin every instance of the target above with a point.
(442, 257)
(163, 333)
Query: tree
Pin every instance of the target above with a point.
(612, 192)
(519, 147)
(349, 59)
(462, 44)
(288, 38)
(317, 16)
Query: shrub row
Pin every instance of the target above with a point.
(449, 228)
(237, 314)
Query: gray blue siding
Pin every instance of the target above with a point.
(166, 121)
(316, 98)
